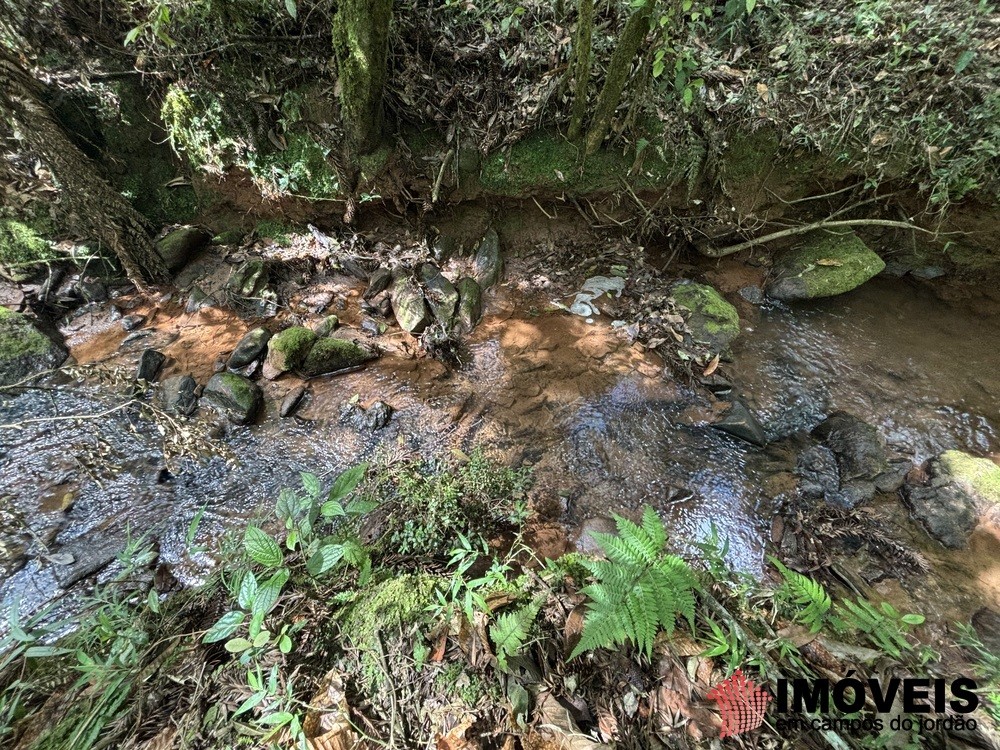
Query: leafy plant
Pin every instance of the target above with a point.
(509, 632)
(638, 590)
(884, 627)
(811, 601)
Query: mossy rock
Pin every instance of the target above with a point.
(470, 304)
(236, 396)
(21, 245)
(179, 246)
(288, 350)
(824, 265)
(710, 320)
(330, 355)
(980, 477)
(25, 350)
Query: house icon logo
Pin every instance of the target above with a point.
(741, 703)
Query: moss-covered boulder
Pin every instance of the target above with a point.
(488, 263)
(235, 396)
(961, 489)
(710, 320)
(288, 350)
(179, 246)
(250, 347)
(825, 264)
(330, 355)
(24, 349)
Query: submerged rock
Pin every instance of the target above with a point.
(288, 350)
(179, 246)
(470, 304)
(824, 265)
(816, 468)
(292, 401)
(488, 263)
(235, 396)
(177, 394)
(409, 306)
(24, 349)
(859, 448)
(197, 300)
(739, 422)
(375, 417)
(709, 318)
(331, 355)
(249, 349)
(150, 362)
(441, 294)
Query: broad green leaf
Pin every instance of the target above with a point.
(261, 638)
(269, 592)
(153, 601)
(310, 483)
(292, 8)
(248, 589)
(42, 651)
(262, 548)
(276, 719)
(284, 644)
(132, 35)
(751, 4)
(345, 483)
(332, 509)
(225, 627)
(325, 559)
(238, 645)
(913, 619)
(252, 702)
(964, 59)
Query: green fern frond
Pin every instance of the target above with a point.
(638, 591)
(510, 631)
(812, 599)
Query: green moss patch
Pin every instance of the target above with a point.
(24, 350)
(21, 245)
(545, 162)
(710, 319)
(288, 349)
(979, 475)
(825, 264)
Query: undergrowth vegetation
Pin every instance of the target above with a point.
(317, 630)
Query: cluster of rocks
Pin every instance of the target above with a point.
(421, 297)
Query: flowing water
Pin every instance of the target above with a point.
(605, 431)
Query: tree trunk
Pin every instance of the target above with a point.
(581, 68)
(361, 44)
(96, 207)
(636, 29)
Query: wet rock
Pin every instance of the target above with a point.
(852, 494)
(859, 448)
(440, 293)
(179, 246)
(825, 264)
(444, 248)
(716, 384)
(375, 417)
(24, 349)
(409, 306)
(979, 478)
(817, 470)
(288, 350)
(946, 512)
(331, 355)
(327, 326)
(249, 349)
(710, 319)
(928, 273)
(249, 280)
(131, 322)
(378, 282)
(197, 300)
(86, 555)
(470, 304)
(372, 327)
(487, 264)
(292, 401)
(893, 478)
(235, 396)
(585, 542)
(740, 423)
(177, 394)
(355, 268)
(317, 302)
(92, 290)
(150, 362)
(752, 294)
(986, 623)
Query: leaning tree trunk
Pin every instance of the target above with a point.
(636, 29)
(97, 208)
(361, 45)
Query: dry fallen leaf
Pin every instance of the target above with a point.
(712, 366)
(829, 262)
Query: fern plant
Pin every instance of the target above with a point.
(638, 590)
(884, 627)
(810, 599)
(509, 631)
